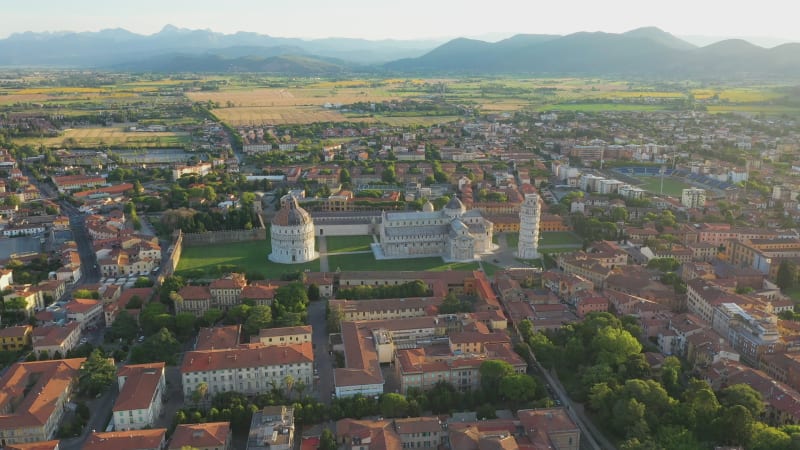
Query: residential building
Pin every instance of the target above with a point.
(249, 370)
(52, 339)
(141, 388)
(217, 338)
(85, 311)
(272, 428)
(385, 309)
(151, 439)
(41, 445)
(16, 338)
(693, 197)
(283, 336)
(202, 436)
(34, 397)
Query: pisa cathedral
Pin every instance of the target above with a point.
(453, 233)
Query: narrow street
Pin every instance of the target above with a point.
(323, 384)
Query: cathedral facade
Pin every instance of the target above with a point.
(453, 233)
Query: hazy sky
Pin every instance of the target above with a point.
(406, 19)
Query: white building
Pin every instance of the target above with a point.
(529, 215)
(251, 371)
(139, 403)
(453, 233)
(292, 235)
(693, 197)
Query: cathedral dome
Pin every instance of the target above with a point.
(455, 203)
(291, 214)
(428, 206)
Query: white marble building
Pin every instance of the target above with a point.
(453, 233)
(292, 235)
(529, 214)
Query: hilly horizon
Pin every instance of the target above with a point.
(646, 51)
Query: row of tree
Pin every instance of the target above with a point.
(600, 362)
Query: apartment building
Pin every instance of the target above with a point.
(250, 370)
(152, 439)
(283, 335)
(202, 436)
(141, 388)
(33, 399)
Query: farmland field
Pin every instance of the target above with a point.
(113, 137)
(672, 186)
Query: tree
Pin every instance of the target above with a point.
(393, 405)
(492, 372)
(614, 345)
(260, 317)
(199, 393)
(212, 315)
(518, 388)
(334, 319)
(124, 327)
(786, 277)
(327, 441)
(161, 346)
(185, 325)
(313, 292)
(172, 283)
(143, 282)
(96, 374)
(744, 395)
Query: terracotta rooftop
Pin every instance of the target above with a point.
(53, 335)
(81, 305)
(256, 356)
(34, 404)
(284, 331)
(218, 337)
(140, 386)
(195, 293)
(213, 434)
(42, 445)
(126, 440)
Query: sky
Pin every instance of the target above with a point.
(408, 19)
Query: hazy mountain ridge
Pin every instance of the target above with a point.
(645, 51)
(116, 46)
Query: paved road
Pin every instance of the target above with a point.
(101, 410)
(323, 385)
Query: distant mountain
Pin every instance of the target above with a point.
(644, 51)
(116, 46)
(269, 60)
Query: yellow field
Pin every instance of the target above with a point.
(93, 137)
(740, 95)
(274, 97)
(279, 115)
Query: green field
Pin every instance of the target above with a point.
(512, 240)
(597, 107)
(211, 261)
(672, 186)
(558, 238)
(366, 261)
(341, 244)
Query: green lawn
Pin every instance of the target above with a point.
(490, 269)
(794, 294)
(366, 261)
(672, 186)
(341, 244)
(558, 238)
(512, 240)
(210, 261)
